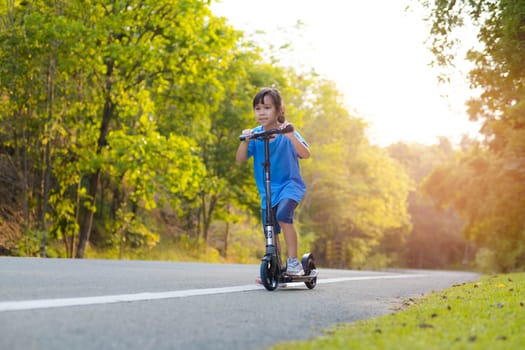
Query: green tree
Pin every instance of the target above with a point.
(173, 49)
(435, 240)
(226, 184)
(30, 86)
(101, 71)
(356, 192)
(487, 184)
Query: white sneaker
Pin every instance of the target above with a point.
(294, 267)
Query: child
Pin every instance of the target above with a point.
(287, 185)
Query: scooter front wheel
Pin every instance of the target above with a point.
(269, 273)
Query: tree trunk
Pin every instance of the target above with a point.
(94, 178)
(25, 177)
(47, 157)
(87, 222)
(226, 233)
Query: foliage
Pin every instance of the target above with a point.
(356, 193)
(121, 119)
(490, 197)
(91, 92)
(488, 314)
(436, 240)
(487, 184)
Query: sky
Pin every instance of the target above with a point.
(375, 52)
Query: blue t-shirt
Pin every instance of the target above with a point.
(285, 176)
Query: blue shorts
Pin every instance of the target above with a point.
(282, 212)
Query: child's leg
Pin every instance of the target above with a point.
(293, 265)
(290, 237)
(284, 217)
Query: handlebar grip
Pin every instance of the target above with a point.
(287, 129)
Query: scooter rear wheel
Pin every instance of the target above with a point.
(269, 273)
(308, 266)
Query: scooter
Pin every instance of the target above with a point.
(272, 270)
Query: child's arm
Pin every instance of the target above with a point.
(302, 150)
(242, 150)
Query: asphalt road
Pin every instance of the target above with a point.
(103, 304)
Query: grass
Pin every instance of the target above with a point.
(184, 249)
(488, 314)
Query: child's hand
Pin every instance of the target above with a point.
(247, 132)
(284, 125)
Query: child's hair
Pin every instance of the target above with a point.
(276, 99)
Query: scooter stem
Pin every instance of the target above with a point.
(270, 220)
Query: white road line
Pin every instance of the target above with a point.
(121, 298)
(363, 278)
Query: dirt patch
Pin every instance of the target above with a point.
(11, 218)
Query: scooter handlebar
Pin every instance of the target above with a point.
(287, 129)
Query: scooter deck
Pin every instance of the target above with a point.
(299, 278)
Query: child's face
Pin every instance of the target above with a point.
(266, 113)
